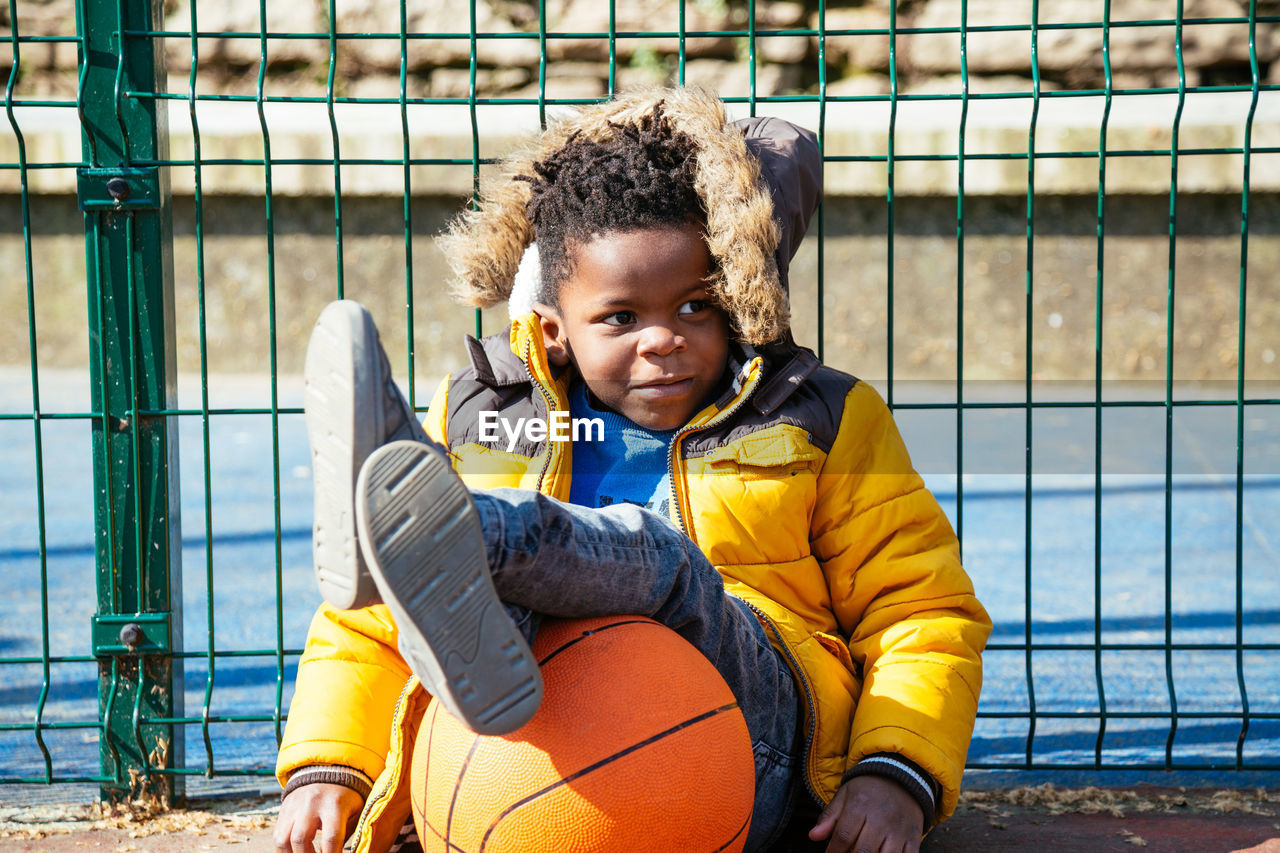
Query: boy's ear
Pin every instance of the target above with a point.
(554, 338)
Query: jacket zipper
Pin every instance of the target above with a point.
(689, 430)
(379, 793)
(546, 463)
(806, 688)
(808, 697)
(760, 614)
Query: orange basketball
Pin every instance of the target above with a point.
(638, 746)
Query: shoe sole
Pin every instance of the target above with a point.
(342, 412)
(421, 537)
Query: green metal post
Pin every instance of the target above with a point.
(128, 228)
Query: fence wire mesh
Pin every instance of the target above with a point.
(1115, 503)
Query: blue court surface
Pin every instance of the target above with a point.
(1034, 564)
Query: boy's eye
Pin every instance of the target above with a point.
(620, 318)
(694, 306)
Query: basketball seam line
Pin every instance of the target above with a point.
(444, 837)
(449, 845)
(597, 765)
(426, 773)
(746, 823)
(583, 636)
(457, 787)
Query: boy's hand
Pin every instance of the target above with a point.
(870, 813)
(320, 812)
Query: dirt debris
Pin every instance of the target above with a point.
(229, 820)
(1121, 801)
(138, 818)
(1132, 838)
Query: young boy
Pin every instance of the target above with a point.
(758, 503)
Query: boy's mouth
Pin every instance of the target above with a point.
(672, 387)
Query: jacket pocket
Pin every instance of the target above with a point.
(839, 650)
(776, 448)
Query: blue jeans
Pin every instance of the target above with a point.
(568, 561)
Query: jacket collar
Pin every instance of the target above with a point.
(789, 365)
(494, 362)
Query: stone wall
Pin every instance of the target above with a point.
(926, 272)
(927, 264)
(856, 46)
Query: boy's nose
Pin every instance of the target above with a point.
(658, 339)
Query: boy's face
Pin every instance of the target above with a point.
(636, 319)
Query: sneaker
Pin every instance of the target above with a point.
(352, 407)
(420, 533)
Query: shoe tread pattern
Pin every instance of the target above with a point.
(334, 372)
(424, 546)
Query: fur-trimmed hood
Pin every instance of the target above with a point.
(759, 179)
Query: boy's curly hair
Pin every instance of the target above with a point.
(485, 244)
(642, 176)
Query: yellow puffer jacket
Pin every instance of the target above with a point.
(797, 487)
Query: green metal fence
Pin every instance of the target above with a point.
(155, 729)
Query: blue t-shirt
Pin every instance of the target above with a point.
(628, 466)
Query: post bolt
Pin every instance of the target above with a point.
(131, 636)
(118, 189)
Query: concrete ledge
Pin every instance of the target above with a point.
(926, 139)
